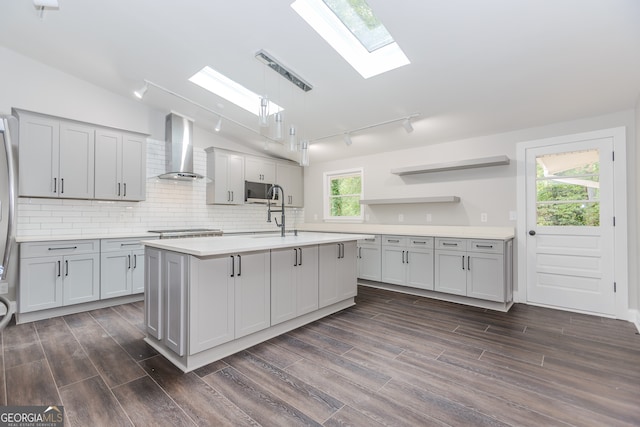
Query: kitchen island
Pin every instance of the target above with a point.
(207, 298)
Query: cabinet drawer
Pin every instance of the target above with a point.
(487, 246)
(451, 244)
(420, 242)
(112, 245)
(55, 248)
(375, 240)
(394, 241)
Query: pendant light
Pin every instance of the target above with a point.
(263, 114)
(304, 152)
(293, 140)
(277, 131)
(218, 125)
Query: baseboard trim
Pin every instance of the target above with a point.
(634, 317)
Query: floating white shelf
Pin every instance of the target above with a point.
(448, 166)
(435, 199)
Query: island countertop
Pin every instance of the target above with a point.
(209, 246)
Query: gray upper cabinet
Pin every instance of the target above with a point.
(225, 169)
(290, 177)
(56, 157)
(120, 166)
(259, 169)
(69, 159)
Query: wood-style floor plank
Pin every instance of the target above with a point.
(392, 359)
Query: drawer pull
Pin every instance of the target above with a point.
(65, 248)
(415, 242)
(485, 246)
(449, 244)
(130, 244)
(393, 241)
(369, 240)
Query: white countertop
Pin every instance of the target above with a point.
(208, 246)
(500, 233)
(96, 236)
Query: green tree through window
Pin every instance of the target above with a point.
(344, 191)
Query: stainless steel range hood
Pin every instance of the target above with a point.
(179, 149)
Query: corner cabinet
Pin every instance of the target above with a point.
(225, 169)
(290, 177)
(56, 157)
(120, 171)
(337, 272)
(56, 274)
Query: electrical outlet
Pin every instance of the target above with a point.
(429, 217)
(483, 217)
(4, 287)
(400, 217)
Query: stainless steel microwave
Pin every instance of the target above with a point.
(256, 192)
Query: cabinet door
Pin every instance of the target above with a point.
(77, 149)
(370, 262)
(235, 178)
(81, 279)
(137, 271)
(211, 303)
(134, 167)
(258, 169)
(347, 272)
(393, 265)
(108, 167)
(420, 268)
(40, 283)
(115, 274)
(38, 156)
(174, 288)
(450, 272)
(485, 276)
(327, 273)
(217, 169)
(252, 293)
(153, 292)
(290, 177)
(284, 264)
(307, 280)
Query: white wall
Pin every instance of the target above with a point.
(490, 190)
(634, 231)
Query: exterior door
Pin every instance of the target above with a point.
(570, 225)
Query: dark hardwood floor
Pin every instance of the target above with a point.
(393, 359)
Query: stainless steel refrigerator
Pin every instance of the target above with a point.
(8, 194)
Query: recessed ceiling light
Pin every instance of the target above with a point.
(351, 28)
(214, 82)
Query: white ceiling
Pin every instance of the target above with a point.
(477, 67)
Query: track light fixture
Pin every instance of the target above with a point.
(140, 92)
(406, 124)
(347, 139)
(218, 125)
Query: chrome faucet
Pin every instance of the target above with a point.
(270, 193)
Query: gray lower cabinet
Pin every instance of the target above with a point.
(475, 268)
(337, 272)
(408, 261)
(56, 274)
(294, 282)
(370, 258)
(121, 267)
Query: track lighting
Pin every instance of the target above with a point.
(406, 124)
(347, 139)
(218, 125)
(140, 92)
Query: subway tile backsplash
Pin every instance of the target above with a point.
(169, 204)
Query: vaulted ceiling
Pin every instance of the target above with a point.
(477, 67)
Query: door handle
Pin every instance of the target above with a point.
(125, 190)
(129, 261)
(295, 262)
(300, 263)
(233, 265)
(468, 263)
(403, 257)
(61, 185)
(532, 232)
(59, 269)
(135, 261)
(463, 262)
(239, 265)
(66, 267)
(119, 190)
(407, 257)
(55, 185)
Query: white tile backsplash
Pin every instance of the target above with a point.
(169, 204)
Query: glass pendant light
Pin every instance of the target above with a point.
(293, 140)
(263, 114)
(304, 152)
(277, 132)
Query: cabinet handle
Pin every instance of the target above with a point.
(295, 262)
(300, 263)
(369, 240)
(130, 244)
(135, 261)
(232, 196)
(239, 265)
(233, 266)
(403, 257)
(393, 241)
(61, 185)
(66, 267)
(449, 244)
(66, 247)
(228, 196)
(485, 246)
(407, 257)
(360, 252)
(58, 268)
(125, 190)
(415, 242)
(129, 261)
(118, 189)
(463, 262)
(55, 185)
(468, 263)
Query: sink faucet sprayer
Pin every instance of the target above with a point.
(270, 193)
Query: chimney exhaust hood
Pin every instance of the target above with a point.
(179, 149)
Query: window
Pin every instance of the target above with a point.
(342, 193)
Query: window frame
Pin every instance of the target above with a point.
(326, 181)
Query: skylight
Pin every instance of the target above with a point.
(351, 28)
(214, 82)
